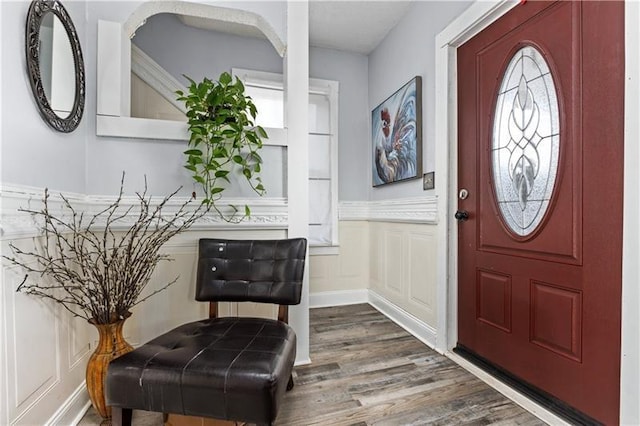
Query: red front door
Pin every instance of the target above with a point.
(540, 94)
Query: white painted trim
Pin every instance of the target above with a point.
(114, 70)
(333, 88)
(300, 362)
(266, 213)
(73, 409)
(630, 346)
(148, 128)
(141, 128)
(416, 327)
(324, 250)
(296, 93)
(473, 20)
(216, 13)
(156, 77)
(325, 299)
(534, 408)
(405, 210)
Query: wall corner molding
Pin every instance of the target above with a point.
(404, 210)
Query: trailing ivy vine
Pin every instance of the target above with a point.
(224, 137)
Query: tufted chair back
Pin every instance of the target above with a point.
(268, 271)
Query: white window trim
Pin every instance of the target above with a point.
(331, 89)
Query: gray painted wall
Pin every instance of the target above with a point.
(108, 157)
(351, 70)
(184, 50)
(180, 49)
(36, 155)
(32, 153)
(407, 51)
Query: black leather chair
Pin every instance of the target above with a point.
(225, 368)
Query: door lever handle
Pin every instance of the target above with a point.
(461, 215)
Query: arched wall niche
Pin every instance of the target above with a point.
(114, 60)
(227, 19)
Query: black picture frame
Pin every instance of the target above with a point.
(37, 11)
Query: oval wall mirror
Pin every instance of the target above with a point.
(55, 65)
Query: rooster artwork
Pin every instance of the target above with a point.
(396, 134)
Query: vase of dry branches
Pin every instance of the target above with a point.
(97, 266)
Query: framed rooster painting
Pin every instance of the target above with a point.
(396, 135)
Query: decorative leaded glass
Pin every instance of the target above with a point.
(526, 141)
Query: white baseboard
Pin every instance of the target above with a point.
(73, 409)
(338, 298)
(300, 362)
(418, 328)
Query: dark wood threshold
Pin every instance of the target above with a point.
(550, 402)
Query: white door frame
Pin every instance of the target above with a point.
(478, 16)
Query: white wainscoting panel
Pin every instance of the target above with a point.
(32, 339)
(376, 254)
(394, 281)
(347, 270)
(422, 253)
(79, 333)
(402, 267)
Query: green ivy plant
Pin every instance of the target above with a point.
(223, 138)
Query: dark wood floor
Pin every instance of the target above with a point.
(366, 370)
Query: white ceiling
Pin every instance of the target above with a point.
(352, 26)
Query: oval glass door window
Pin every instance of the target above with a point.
(526, 141)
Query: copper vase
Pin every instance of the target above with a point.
(110, 346)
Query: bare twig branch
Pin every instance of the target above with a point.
(97, 266)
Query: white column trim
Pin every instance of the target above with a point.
(296, 78)
(630, 346)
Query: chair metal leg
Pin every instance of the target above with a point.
(290, 385)
(121, 416)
